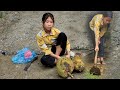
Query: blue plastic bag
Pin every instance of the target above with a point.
(20, 57)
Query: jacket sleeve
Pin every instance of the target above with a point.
(43, 47)
(97, 30)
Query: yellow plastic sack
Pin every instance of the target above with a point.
(65, 67)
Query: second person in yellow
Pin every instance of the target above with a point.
(99, 26)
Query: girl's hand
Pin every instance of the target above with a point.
(96, 48)
(68, 56)
(56, 60)
(58, 57)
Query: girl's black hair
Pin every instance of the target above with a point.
(46, 15)
(108, 14)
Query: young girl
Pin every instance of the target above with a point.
(52, 42)
(99, 25)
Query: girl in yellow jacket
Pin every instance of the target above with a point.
(99, 26)
(52, 42)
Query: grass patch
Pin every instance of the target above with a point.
(87, 75)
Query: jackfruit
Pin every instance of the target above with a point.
(78, 63)
(65, 67)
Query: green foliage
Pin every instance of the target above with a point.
(87, 75)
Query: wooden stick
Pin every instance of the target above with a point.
(95, 60)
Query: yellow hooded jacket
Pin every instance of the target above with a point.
(45, 41)
(96, 24)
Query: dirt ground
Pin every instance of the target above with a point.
(38, 71)
(8, 70)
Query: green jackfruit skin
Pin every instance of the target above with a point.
(65, 67)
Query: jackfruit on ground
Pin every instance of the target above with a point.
(78, 63)
(65, 67)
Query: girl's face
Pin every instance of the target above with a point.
(48, 24)
(107, 20)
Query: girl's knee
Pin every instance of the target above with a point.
(43, 60)
(62, 35)
(48, 61)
